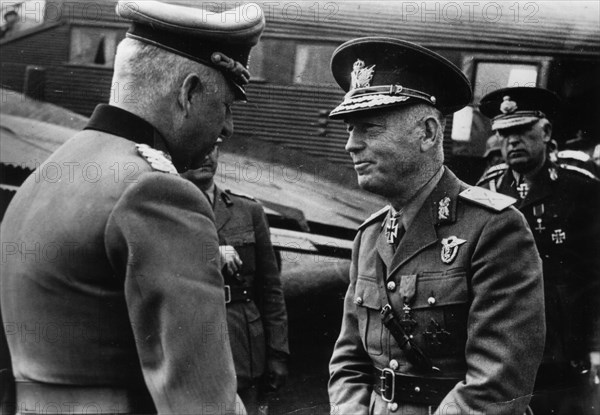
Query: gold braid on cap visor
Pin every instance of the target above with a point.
(380, 95)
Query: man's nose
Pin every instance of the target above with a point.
(227, 125)
(354, 143)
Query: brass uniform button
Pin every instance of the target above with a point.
(417, 389)
(431, 300)
(358, 300)
(393, 406)
(391, 286)
(394, 364)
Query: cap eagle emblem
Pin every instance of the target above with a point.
(361, 76)
(507, 106)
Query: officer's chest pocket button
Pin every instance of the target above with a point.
(440, 309)
(369, 321)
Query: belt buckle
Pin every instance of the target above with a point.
(388, 376)
(227, 294)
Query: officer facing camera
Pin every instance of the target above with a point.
(444, 312)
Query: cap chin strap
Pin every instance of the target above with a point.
(391, 90)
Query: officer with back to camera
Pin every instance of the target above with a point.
(125, 294)
(444, 312)
(562, 206)
(256, 314)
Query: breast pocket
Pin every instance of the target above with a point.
(441, 309)
(369, 320)
(239, 236)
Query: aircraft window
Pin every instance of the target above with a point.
(312, 64)
(94, 45)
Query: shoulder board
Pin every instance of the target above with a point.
(375, 216)
(498, 168)
(573, 154)
(245, 196)
(494, 172)
(158, 160)
(486, 198)
(579, 170)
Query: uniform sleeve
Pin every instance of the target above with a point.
(506, 325)
(350, 369)
(161, 235)
(274, 315)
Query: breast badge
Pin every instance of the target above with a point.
(450, 248)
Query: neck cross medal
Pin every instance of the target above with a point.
(523, 189)
(391, 230)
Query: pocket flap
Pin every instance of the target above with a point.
(441, 289)
(367, 293)
(239, 237)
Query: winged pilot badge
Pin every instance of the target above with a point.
(361, 76)
(450, 248)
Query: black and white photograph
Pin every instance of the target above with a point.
(300, 207)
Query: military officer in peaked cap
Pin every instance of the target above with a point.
(562, 206)
(444, 312)
(112, 297)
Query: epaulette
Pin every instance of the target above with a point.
(374, 216)
(573, 154)
(486, 198)
(245, 196)
(493, 172)
(579, 170)
(157, 159)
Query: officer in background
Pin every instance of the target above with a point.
(493, 155)
(256, 314)
(445, 311)
(112, 297)
(562, 206)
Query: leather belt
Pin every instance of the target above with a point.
(235, 294)
(43, 398)
(399, 387)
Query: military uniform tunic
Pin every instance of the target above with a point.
(476, 310)
(258, 324)
(562, 207)
(111, 287)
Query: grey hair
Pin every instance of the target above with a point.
(151, 72)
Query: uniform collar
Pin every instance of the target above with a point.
(221, 207)
(116, 121)
(413, 207)
(422, 231)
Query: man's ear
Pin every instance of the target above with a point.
(191, 85)
(431, 133)
(546, 130)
